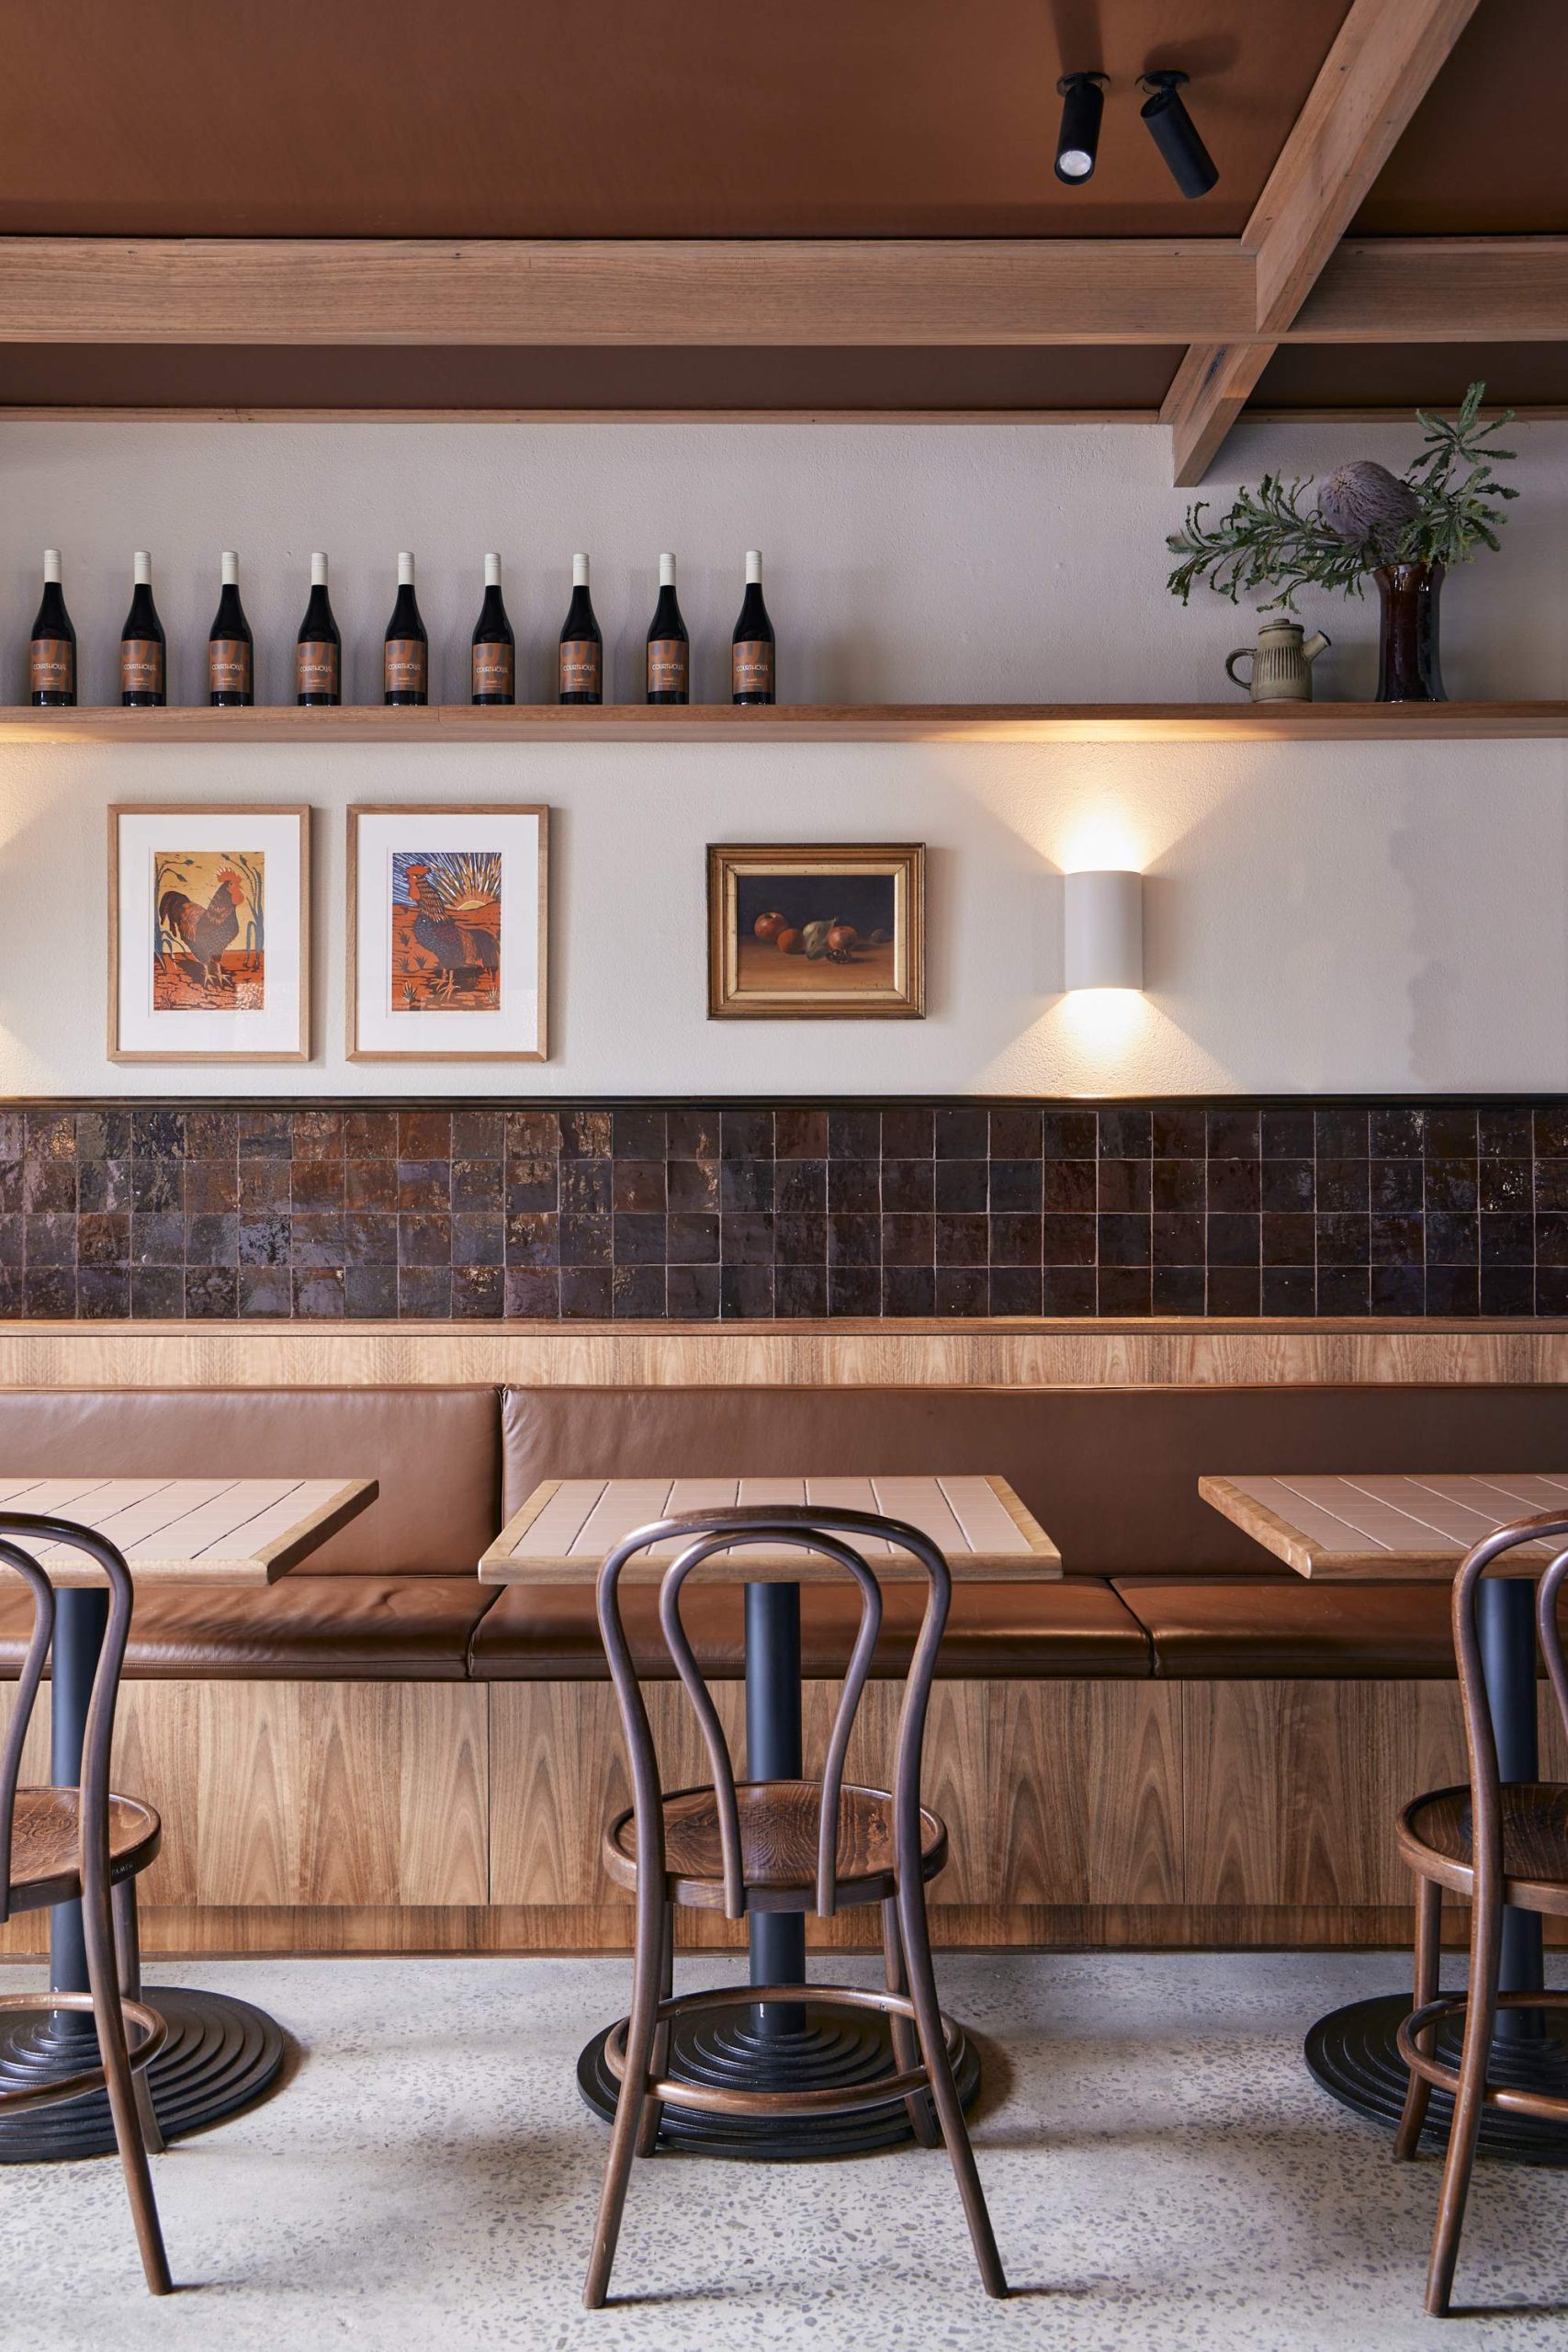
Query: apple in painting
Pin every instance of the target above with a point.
(768, 926)
(788, 941)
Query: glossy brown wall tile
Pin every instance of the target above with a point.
(747, 1210)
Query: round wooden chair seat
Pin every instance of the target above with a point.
(1434, 1838)
(46, 1840)
(778, 1845)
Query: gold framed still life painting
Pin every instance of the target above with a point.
(831, 931)
(448, 934)
(209, 935)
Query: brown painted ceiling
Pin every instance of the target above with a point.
(819, 117)
(1485, 154)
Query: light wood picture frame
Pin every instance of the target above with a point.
(820, 930)
(448, 933)
(208, 933)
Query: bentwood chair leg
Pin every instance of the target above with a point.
(944, 2091)
(128, 1949)
(647, 1974)
(108, 2018)
(1480, 2022)
(653, 2109)
(1428, 1958)
(906, 2049)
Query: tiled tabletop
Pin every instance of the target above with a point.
(191, 1531)
(1386, 1528)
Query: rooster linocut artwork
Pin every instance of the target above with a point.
(208, 942)
(445, 924)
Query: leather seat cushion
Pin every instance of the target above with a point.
(435, 1451)
(1259, 1629)
(994, 1632)
(303, 1628)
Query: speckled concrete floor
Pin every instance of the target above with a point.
(1161, 2171)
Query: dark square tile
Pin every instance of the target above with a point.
(798, 1240)
(691, 1237)
(1396, 1184)
(49, 1294)
(213, 1291)
(584, 1135)
(478, 1240)
(797, 1134)
(1507, 1290)
(269, 1290)
(638, 1135)
(531, 1293)
(319, 1290)
(103, 1240)
(1234, 1240)
(1125, 1134)
(100, 1135)
(424, 1135)
(49, 1184)
(421, 1240)
(639, 1239)
(1125, 1185)
(267, 1240)
(1551, 1241)
(746, 1294)
(318, 1135)
(267, 1184)
(1235, 1185)
(1016, 1290)
(961, 1135)
(1069, 1134)
(423, 1184)
(694, 1134)
(154, 1134)
(749, 1135)
(1399, 1290)
(854, 1135)
(1397, 1132)
(1124, 1240)
(800, 1186)
(1179, 1131)
(1507, 1184)
(369, 1238)
(212, 1187)
(100, 1185)
(476, 1293)
(1176, 1238)
(584, 1293)
(584, 1241)
(157, 1186)
(798, 1291)
(1451, 1240)
(1125, 1290)
(1286, 1184)
(911, 1290)
(694, 1184)
(1178, 1289)
(1288, 1240)
(263, 1134)
(539, 1239)
(691, 1294)
(1398, 1240)
(1453, 1290)
(1014, 1185)
(102, 1292)
(1507, 1240)
(52, 1134)
(1506, 1135)
(1234, 1135)
(854, 1241)
(1551, 1184)
(370, 1135)
(1452, 1184)
(1069, 1187)
(1344, 1290)
(481, 1184)
(745, 1185)
(855, 1291)
(748, 1239)
(1068, 1240)
(1288, 1135)
(1551, 1290)
(1015, 1240)
(1342, 1183)
(318, 1240)
(1344, 1239)
(158, 1291)
(854, 1186)
(1234, 1290)
(12, 1294)
(1290, 1290)
(909, 1240)
(478, 1134)
(910, 1185)
(1179, 1183)
(1068, 1290)
(212, 1241)
(370, 1291)
(961, 1240)
(10, 1241)
(586, 1188)
(212, 1134)
(157, 1241)
(424, 1290)
(1016, 1134)
(639, 1183)
(907, 1135)
(317, 1184)
(963, 1290)
(537, 1135)
(1342, 1134)
(1551, 1127)
(1452, 1133)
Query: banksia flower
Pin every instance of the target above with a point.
(1366, 505)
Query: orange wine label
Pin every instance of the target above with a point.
(141, 666)
(227, 666)
(53, 667)
(580, 666)
(495, 671)
(316, 667)
(752, 667)
(669, 661)
(407, 665)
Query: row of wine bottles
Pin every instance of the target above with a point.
(230, 669)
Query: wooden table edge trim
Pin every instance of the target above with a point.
(275, 1559)
(1033, 1534)
(1254, 1519)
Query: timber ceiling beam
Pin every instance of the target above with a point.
(1383, 61)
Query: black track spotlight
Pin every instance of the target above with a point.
(1078, 141)
(1175, 133)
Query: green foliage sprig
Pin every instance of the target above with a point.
(1268, 541)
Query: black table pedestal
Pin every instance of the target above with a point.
(1352, 2052)
(781, 2046)
(221, 2052)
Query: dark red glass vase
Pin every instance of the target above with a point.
(1408, 667)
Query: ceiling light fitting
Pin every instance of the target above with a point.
(1175, 133)
(1078, 141)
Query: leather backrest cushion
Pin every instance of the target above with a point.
(1111, 1473)
(435, 1451)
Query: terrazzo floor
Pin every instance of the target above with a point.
(1161, 2171)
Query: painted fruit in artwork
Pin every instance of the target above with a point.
(788, 941)
(841, 937)
(769, 926)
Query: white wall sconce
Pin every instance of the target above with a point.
(1103, 932)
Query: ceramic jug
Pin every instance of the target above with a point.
(1281, 663)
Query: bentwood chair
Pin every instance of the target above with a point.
(1494, 1843)
(779, 1845)
(86, 1845)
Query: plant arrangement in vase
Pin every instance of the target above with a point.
(1401, 530)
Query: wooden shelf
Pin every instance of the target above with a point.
(1237, 722)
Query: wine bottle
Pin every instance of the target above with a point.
(407, 656)
(752, 654)
(231, 656)
(582, 646)
(51, 663)
(668, 648)
(317, 649)
(142, 664)
(494, 656)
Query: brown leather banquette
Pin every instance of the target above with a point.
(1156, 1583)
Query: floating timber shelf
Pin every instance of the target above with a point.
(1129, 722)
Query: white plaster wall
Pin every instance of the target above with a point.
(1318, 919)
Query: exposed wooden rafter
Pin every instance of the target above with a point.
(1380, 68)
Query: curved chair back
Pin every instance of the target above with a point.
(1551, 1531)
(730, 1532)
(39, 1535)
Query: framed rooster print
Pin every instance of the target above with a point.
(209, 935)
(448, 934)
